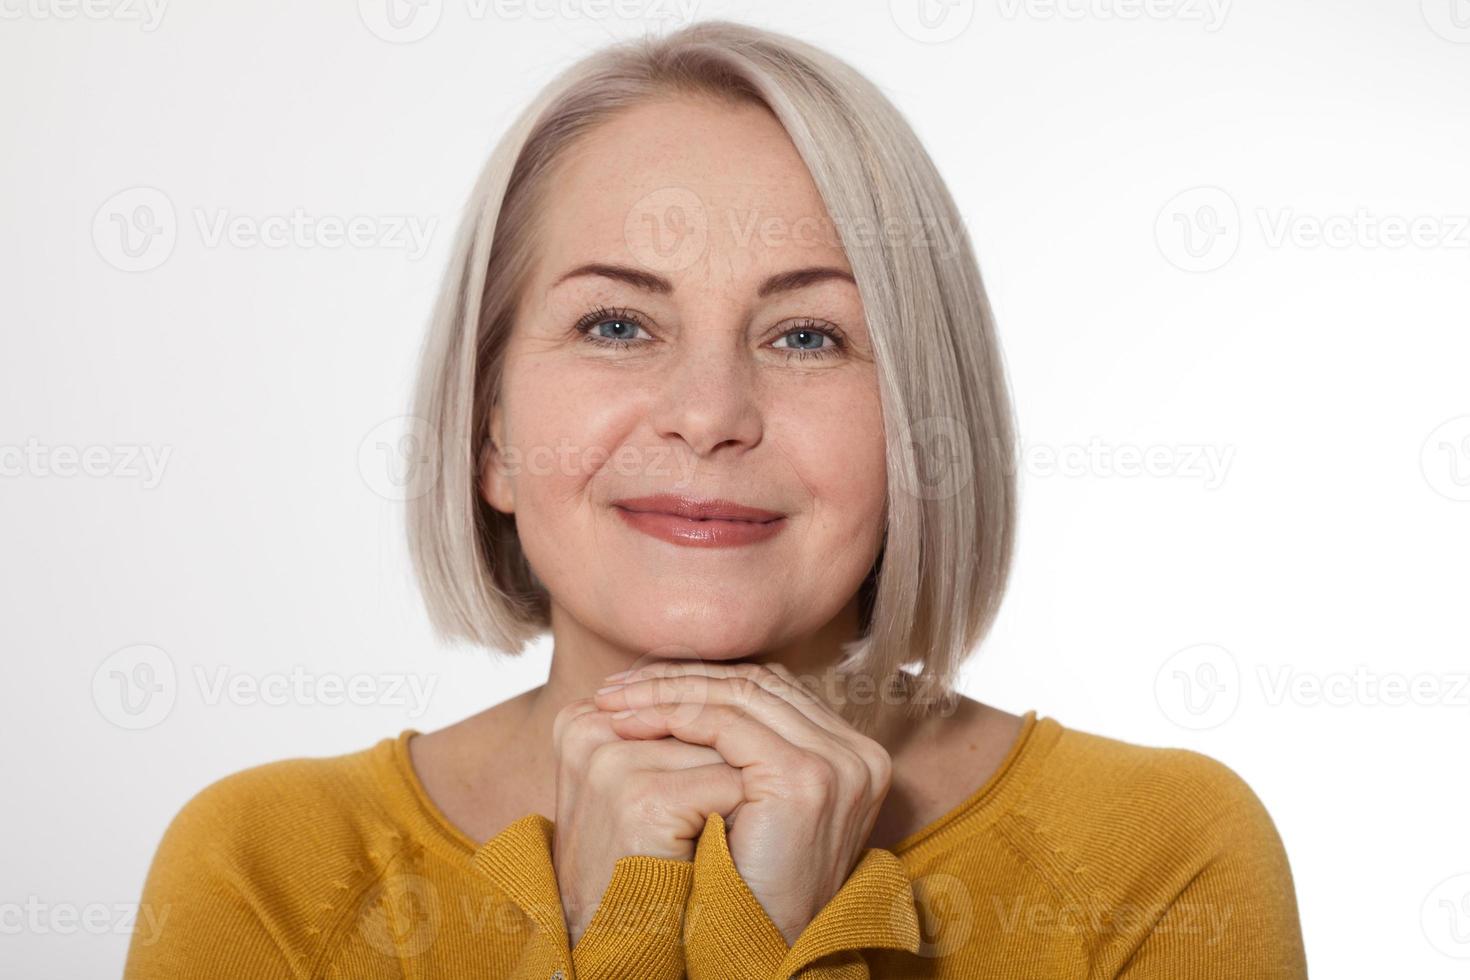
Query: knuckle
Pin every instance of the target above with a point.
(814, 774)
(604, 757)
(603, 771)
(564, 718)
(581, 732)
(874, 754)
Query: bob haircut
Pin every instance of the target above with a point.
(937, 582)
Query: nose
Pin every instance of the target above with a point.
(709, 397)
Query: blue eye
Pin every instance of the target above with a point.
(810, 339)
(616, 329)
(610, 328)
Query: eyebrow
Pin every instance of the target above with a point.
(781, 282)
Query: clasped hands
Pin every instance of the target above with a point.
(642, 763)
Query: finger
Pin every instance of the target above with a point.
(776, 697)
(741, 740)
(713, 788)
(775, 678)
(685, 694)
(654, 755)
(572, 722)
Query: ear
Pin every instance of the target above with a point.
(495, 482)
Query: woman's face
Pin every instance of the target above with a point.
(663, 346)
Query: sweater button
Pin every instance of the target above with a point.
(558, 975)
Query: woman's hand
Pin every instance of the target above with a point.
(617, 797)
(810, 784)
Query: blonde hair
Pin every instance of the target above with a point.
(936, 585)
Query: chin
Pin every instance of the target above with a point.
(710, 635)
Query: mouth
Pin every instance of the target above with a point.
(699, 523)
(697, 509)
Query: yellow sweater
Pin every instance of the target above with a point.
(1080, 857)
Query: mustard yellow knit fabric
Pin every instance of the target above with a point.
(1080, 857)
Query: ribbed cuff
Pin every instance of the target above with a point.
(729, 934)
(636, 932)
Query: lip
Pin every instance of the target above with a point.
(699, 522)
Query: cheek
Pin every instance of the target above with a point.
(563, 425)
(833, 443)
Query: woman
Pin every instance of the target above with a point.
(716, 400)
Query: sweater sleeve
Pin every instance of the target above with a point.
(730, 937)
(198, 916)
(635, 932)
(1236, 912)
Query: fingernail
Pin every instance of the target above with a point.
(621, 673)
(610, 687)
(624, 713)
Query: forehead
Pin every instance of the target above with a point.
(688, 188)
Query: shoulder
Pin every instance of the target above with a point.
(1140, 782)
(1120, 818)
(1138, 826)
(1168, 855)
(244, 812)
(282, 849)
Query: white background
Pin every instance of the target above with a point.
(1319, 561)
